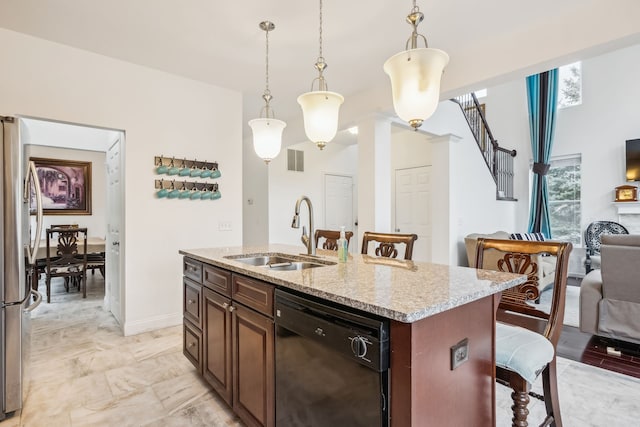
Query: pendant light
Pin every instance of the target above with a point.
(415, 76)
(267, 131)
(320, 108)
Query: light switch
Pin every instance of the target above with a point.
(224, 226)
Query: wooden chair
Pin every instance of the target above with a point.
(387, 243)
(66, 261)
(526, 337)
(96, 261)
(331, 238)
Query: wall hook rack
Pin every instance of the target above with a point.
(186, 168)
(191, 190)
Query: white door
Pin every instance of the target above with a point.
(412, 210)
(113, 291)
(338, 205)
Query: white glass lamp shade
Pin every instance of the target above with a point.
(415, 82)
(267, 137)
(320, 111)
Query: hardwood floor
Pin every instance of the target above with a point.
(605, 353)
(609, 354)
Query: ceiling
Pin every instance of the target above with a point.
(219, 42)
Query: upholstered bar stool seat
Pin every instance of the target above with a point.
(522, 351)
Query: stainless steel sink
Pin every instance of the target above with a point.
(297, 265)
(279, 262)
(262, 260)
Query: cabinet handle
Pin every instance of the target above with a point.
(225, 305)
(191, 301)
(232, 308)
(192, 344)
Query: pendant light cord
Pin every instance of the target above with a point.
(267, 26)
(320, 38)
(266, 61)
(320, 62)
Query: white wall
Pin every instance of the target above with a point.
(161, 114)
(96, 222)
(508, 117)
(471, 205)
(285, 187)
(600, 126)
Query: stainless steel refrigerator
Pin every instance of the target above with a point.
(20, 188)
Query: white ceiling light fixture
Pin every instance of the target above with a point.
(267, 131)
(415, 76)
(320, 108)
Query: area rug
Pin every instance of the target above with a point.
(571, 307)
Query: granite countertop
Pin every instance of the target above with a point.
(405, 291)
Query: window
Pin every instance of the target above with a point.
(481, 93)
(563, 182)
(570, 85)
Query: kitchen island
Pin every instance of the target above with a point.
(441, 326)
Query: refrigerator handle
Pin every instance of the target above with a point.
(38, 297)
(33, 175)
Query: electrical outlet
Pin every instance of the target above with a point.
(459, 353)
(224, 226)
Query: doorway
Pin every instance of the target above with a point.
(413, 208)
(69, 141)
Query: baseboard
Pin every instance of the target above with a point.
(151, 324)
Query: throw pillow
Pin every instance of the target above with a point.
(536, 237)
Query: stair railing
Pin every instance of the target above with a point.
(499, 160)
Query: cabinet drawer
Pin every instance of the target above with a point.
(217, 279)
(192, 345)
(192, 302)
(192, 269)
(253, 293)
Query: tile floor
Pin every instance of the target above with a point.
(84, 373)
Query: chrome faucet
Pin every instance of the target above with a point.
(308, 240)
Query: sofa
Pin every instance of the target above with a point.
(546, 272)
(610, 296)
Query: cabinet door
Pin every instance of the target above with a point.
(217, 343)
(191, 302)
(192, 345)
(253, 367)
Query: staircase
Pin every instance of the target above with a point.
(499, 160)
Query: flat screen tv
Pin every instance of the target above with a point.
(633, 160)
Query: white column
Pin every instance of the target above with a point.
(443, 209)
(374, 175)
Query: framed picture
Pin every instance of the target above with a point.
(65, 187)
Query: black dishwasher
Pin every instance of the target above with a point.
(331, 365)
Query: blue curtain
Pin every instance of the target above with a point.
(542, 94)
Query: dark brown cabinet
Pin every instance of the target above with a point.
(236, 341)
(217, 344)
(253, 367)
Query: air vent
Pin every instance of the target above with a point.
(295, 160)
